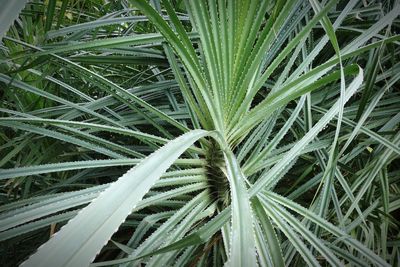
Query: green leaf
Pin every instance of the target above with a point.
(9, 12)
(274, 249)
(243, 240)
(102, 217)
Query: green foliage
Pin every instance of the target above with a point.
(258, 133)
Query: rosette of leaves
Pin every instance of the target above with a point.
(258, 133)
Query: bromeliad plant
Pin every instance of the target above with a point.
(261, 134)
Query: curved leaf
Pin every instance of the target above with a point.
(102, 217)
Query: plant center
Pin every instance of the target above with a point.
(219, 185)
